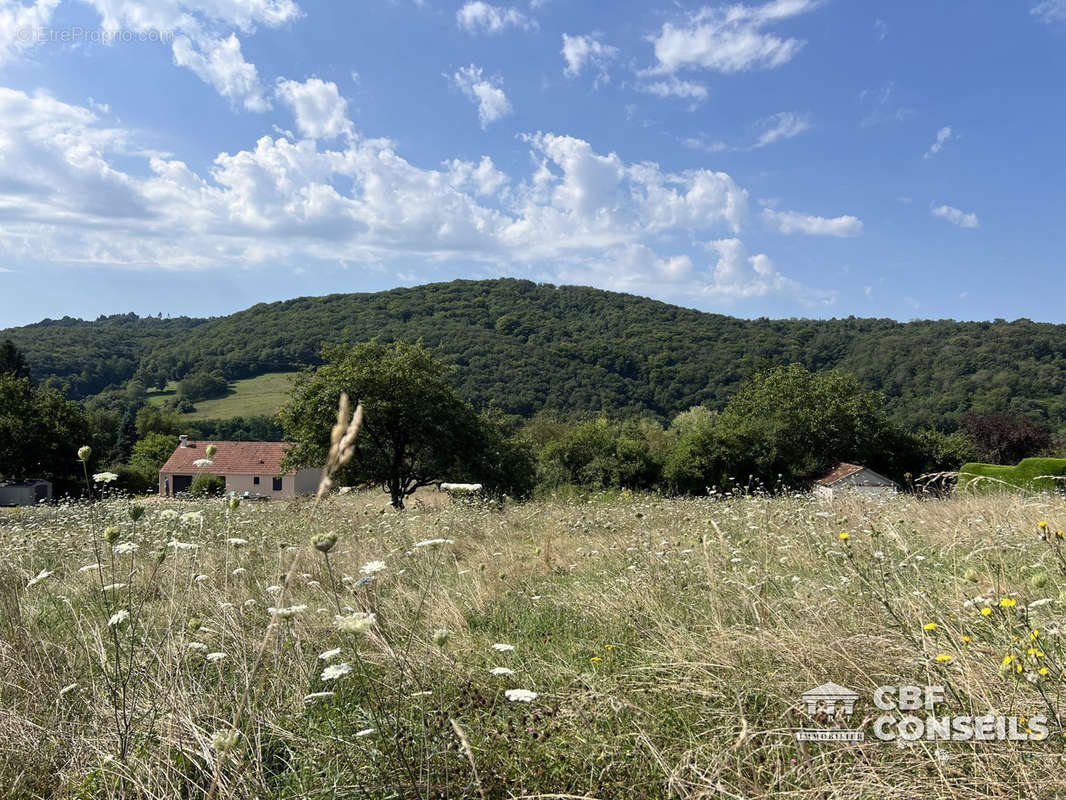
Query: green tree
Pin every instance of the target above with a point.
(12, 362)
(416, 430)
(39, 431)
(151, 452)
(153, 419)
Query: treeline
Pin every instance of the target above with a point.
(782, 430)
(523, 348)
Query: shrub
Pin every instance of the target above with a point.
(1034, 474)
(206, 485)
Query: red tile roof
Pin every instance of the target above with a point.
(232, 458)
(841, 470)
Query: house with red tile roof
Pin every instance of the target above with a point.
(854, 478)
(252, 468)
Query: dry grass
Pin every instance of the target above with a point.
(668, 642)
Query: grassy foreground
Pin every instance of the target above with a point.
(663, 646)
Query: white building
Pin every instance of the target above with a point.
(854, 479)
(249, 468)
(26, 493)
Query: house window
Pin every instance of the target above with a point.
(255, 481)
(277, 484)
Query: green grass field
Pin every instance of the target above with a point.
(621, 647)
(261, 395)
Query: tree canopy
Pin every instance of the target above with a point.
(523, 347)
(416, 429)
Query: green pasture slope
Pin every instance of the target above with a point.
(258, 396)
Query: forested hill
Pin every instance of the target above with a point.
(524, 347)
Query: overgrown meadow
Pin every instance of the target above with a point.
(614, 646)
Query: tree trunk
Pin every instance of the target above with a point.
(396, 493)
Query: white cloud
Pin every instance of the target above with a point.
(795, 222)
(576, 212)
(19, 23)
(737, 276)
(705, 143)
(492, 102)
(204, 37)
(480, 17)
(729, 39)
(219, 62)
(582, 51)
(319, 110)
(955, 216)
(943, 136)
(1050, 11)
(483, 179)
(672, 86)
(783, 125)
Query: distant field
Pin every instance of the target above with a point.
(261, 395)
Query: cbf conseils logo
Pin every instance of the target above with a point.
(830, 704)
(909, 714)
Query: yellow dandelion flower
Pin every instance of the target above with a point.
(1007, 659)
(929, 626)
(844, 536)
(595, 659)
(1058, 534)
(1034, 635)
(966, 639)
(1043, 671)
(943, 658)
(1042, 523)
(1018, 667)
(1008, 602)
(608, 647)
(986, 611)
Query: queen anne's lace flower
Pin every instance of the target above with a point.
(520, 695)
(335, 671)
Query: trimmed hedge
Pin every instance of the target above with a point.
(1034, 474)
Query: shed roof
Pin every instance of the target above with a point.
(231, 458)
(844, 469)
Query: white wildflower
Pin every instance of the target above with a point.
(200, 579)
(372, 567)
(357, 622)
(44, 573)
(197, 647)
(236, 541)
(168, 514)
(182, 545)
(214, 658)
(118, 618)
(105, 477)
(329, 655)
(317, 696)
(114, 587)
(500, 647)
(364, 732)
(501, 671)
(286, 613)
(123, 548)
(520, 695)
(192, 517)
(434, 542)
(334, 671)
(89, 568)
(70, 687)
(202, 463)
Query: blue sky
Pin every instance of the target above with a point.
(786, 158)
